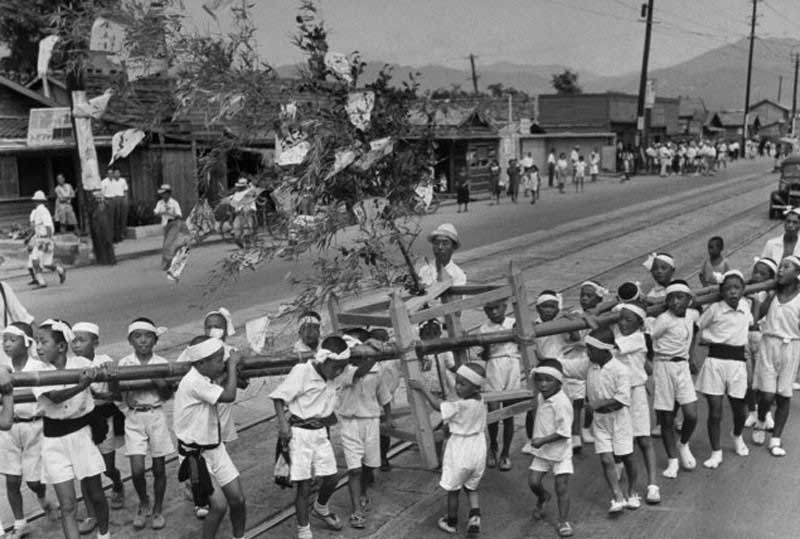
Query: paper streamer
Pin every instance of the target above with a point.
(359, 108)
(339, 65)
(294, 155)
(257, 332)
(342, 159)
(95, 107)
(123, 143)
(46, 47)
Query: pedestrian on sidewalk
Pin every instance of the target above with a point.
(551, 167)
(513, 179)
(41, 246)
(561, 171)
(171, 219)
(536, 184)
(115, 191)
(496, 189)
(101, 229)
(594, 165)
(64, 213)
(462, 191)
(580, 174)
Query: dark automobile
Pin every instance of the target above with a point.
(788, 193)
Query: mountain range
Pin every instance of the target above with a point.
(717, 76)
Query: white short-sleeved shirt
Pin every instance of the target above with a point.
(112, 188)
(427, 274)
(100, 387)
(366, 397)
(611, 381)
(77, 406)
(672, 336)
(552, 346)
(506, 349)
(720, 324)
(29, 410)
(774, 249)
(554, 416)
(632, 352)
(41, 221)
(465, 417)
(783, 319)
(195, 418)
(307, 394)
(168, 210)
(144, 397)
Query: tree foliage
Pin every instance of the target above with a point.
(566, 83)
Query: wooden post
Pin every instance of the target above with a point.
(455, 330)
(524, 320)
(405, 337)
(334, 308)
(90, 173)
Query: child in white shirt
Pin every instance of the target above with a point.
(465, 454)
(146, 428)
(764, 269)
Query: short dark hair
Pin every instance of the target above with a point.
(334, 344)
(717, 239)
(24, 326)
(198, 339)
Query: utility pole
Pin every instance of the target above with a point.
(749, 75)
(641, 133)
(794, 93)
(474, 74)
(780, 87)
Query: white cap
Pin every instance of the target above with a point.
(39, 196)
(445, 230)
(164, 188)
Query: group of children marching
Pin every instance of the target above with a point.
(602, 385)
(68, 433)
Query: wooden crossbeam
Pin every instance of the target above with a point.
(500, 396)
(431, 293)
(457, 305)
(509, 411)
(407, 436)
(361, 319)
(470, 289)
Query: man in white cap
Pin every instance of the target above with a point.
(41, 246)
(171, 218)
(444, 240)
(244, 221)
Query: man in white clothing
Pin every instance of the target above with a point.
(786, 244)
(445, 241)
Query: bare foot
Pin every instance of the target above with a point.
(538, 511)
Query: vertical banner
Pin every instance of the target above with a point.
(46, 46)
(650, 94)
(90, 171)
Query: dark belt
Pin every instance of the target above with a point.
(312, 423)
(27, 419)
(726, 351)
(674, 359)
(56, 428)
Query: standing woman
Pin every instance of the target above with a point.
(171, 219)
(64, 213)
(101, 229)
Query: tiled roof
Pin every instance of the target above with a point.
(13, 127)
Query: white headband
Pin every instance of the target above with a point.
(323, 355)
(680, 287)
(64, 329)
(141, 325)
(351, 341)
(599, 290)
(308, 319)
(790, 209)
(732, 273)
(544, 298)
(474, 378)
(635, 309)
(201, 350)
(767, 262)
(656, 256)
(600, 345)
(550, 371)
(46, 323)
(87, 327)
(226, 314)
(14, 330)
(793, 259)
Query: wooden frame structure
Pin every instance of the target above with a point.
(443, 300)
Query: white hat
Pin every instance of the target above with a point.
(39, 196)
(242, 182)
(445, 230)
(165, 187)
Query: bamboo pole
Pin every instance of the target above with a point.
(277, 364)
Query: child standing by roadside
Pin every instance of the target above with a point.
(561, 171)
(633, 348)
(716, 265)
(308, 394)
(146, 428)
(21, 444)
(536, 183)
(70, 430)
(465, 454)
(85, 341)
(580, 173)
(673, 340)
(502, 374)
(552, 450)
(723, 328)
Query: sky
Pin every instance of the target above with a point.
(601, 36)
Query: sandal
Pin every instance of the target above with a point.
(358, 521)
(505, 464)
(491, 459)
(331, 520)
(474, 525)
(565, 529)
(86, 525)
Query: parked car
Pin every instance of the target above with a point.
(788, 192)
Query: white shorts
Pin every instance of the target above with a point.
(723, 377)
(575, 388)
(503, 374)
(21, 450)
(777, 365)
(148, 430)
(613, 432)
(111, 443)
(673, 383)
(226, 423)
(464, 462)
(558, 467)
(70, 457)
(360, 441)
(640, 411)
(220, 465)
(311, 453)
